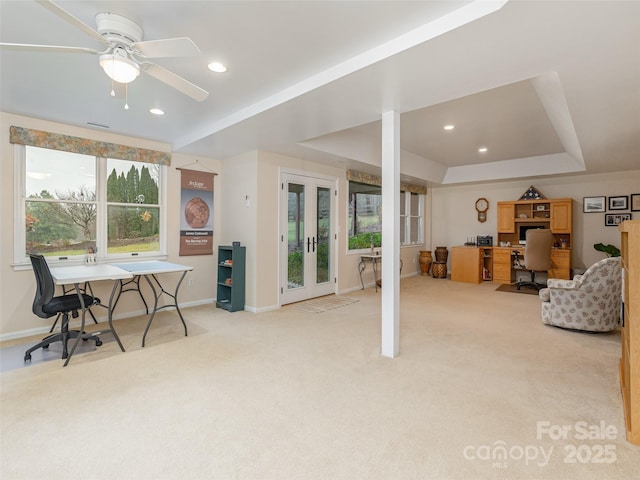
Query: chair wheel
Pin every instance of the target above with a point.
(45, 346)
(98, 343)
(27, 357)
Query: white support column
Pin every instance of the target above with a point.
(390, 234)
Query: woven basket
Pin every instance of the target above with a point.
(439, 270)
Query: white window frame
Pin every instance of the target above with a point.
(20, 256)
(408, 215)
(406, 224)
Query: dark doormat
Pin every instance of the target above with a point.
(513, 289)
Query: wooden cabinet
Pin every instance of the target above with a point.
(506, 215)
(231, 278)
(471, 264)
(561, 216)
(560, 264)
(466, 264)
(502, 264)
(630, 359)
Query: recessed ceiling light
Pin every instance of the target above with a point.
(483, 149)
(217, 67)
(449, 127)
(157, 111)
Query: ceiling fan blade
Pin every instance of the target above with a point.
(76, 22)
(169, 47)
(175, 81)
(49, 48)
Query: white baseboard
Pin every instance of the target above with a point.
(75, 323)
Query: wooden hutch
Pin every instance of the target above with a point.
(513, 218)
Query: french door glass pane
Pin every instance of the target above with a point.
(295, 221)
(323, 229)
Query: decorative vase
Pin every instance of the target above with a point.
(425, 262)
(442, 254)
(439, 270)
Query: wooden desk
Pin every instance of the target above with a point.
(503, 271)
(475, 264)
(471, 264)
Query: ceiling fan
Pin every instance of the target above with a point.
(126, 54)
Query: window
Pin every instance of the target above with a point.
(365, 216)
(410, 218)
(72, 203)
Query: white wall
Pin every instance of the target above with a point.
(454, 217)
(239, 184)
(269, 167)
(450, 218)
(17, 287)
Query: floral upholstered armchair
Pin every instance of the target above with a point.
(589, 302)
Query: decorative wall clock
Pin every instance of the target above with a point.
(482, 205)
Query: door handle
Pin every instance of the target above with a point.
(308, 243)
(314, 244)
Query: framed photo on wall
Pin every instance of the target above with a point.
(635, 202)
(619, 203)
(615, 219)
(593, 204)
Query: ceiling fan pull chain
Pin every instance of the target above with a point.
(113, 90)
(126, 96)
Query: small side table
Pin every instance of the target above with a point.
(373, 259)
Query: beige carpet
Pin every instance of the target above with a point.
(295, 395)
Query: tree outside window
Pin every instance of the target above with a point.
(62, 209)
(365, 217)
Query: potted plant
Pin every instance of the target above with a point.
(610, 250)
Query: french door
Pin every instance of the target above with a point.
(307, 239)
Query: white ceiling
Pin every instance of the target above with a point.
(549, 87)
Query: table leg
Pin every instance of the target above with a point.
(135, 280)
(157, 295)
(116, 283)
(375, 273)
(361, 266)
(79, 337)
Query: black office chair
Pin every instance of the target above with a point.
(537, 256)
(66, 289)
(46, 305)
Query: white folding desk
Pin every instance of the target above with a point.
(149, 270)
(75, 275)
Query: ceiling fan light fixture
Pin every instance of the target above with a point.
(119, 67)
(217, 67)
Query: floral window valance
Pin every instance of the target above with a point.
(369, 179)
(67, 143)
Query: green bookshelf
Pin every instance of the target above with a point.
(231, 272)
